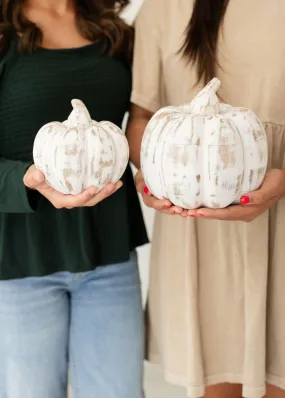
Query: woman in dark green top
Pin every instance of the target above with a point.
(69, 288)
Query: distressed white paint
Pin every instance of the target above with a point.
(205, 153)
(80, 152)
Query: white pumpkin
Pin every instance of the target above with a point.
(205, 153)
(80, 152)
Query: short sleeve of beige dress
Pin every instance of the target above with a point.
(217, 289)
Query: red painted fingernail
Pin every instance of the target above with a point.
(200, 215)
(244, 200)
(191, 215)
(146, 190)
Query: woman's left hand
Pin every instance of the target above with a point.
(252, 204)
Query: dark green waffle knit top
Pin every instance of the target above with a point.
(35, 238)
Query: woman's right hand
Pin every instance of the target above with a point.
(163, 206)
(35, 179)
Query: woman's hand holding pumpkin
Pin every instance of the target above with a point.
(35, 179)
(252, 204)
(163, 206)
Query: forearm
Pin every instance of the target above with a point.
(135, 132)
(14, 197)
(137, 123)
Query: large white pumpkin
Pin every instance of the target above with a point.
(80, 152)
(205, 153)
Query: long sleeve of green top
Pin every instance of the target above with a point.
(14, 196)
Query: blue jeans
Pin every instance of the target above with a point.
(91, 323)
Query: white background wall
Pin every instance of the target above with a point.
(144, 252)
(130, 13)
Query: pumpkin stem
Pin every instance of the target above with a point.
(206, 101)
(80, 116)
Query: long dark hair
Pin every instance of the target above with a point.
(96, 19)
(200, 46)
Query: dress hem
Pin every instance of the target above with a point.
(199, 391)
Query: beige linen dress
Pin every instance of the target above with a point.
(217, 289)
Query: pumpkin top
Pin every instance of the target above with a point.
(206, 101)
(79, 117)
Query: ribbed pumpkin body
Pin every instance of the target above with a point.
(205, 153)
(80, 153)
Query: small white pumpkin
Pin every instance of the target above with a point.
(80, 152)
(205, 153)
